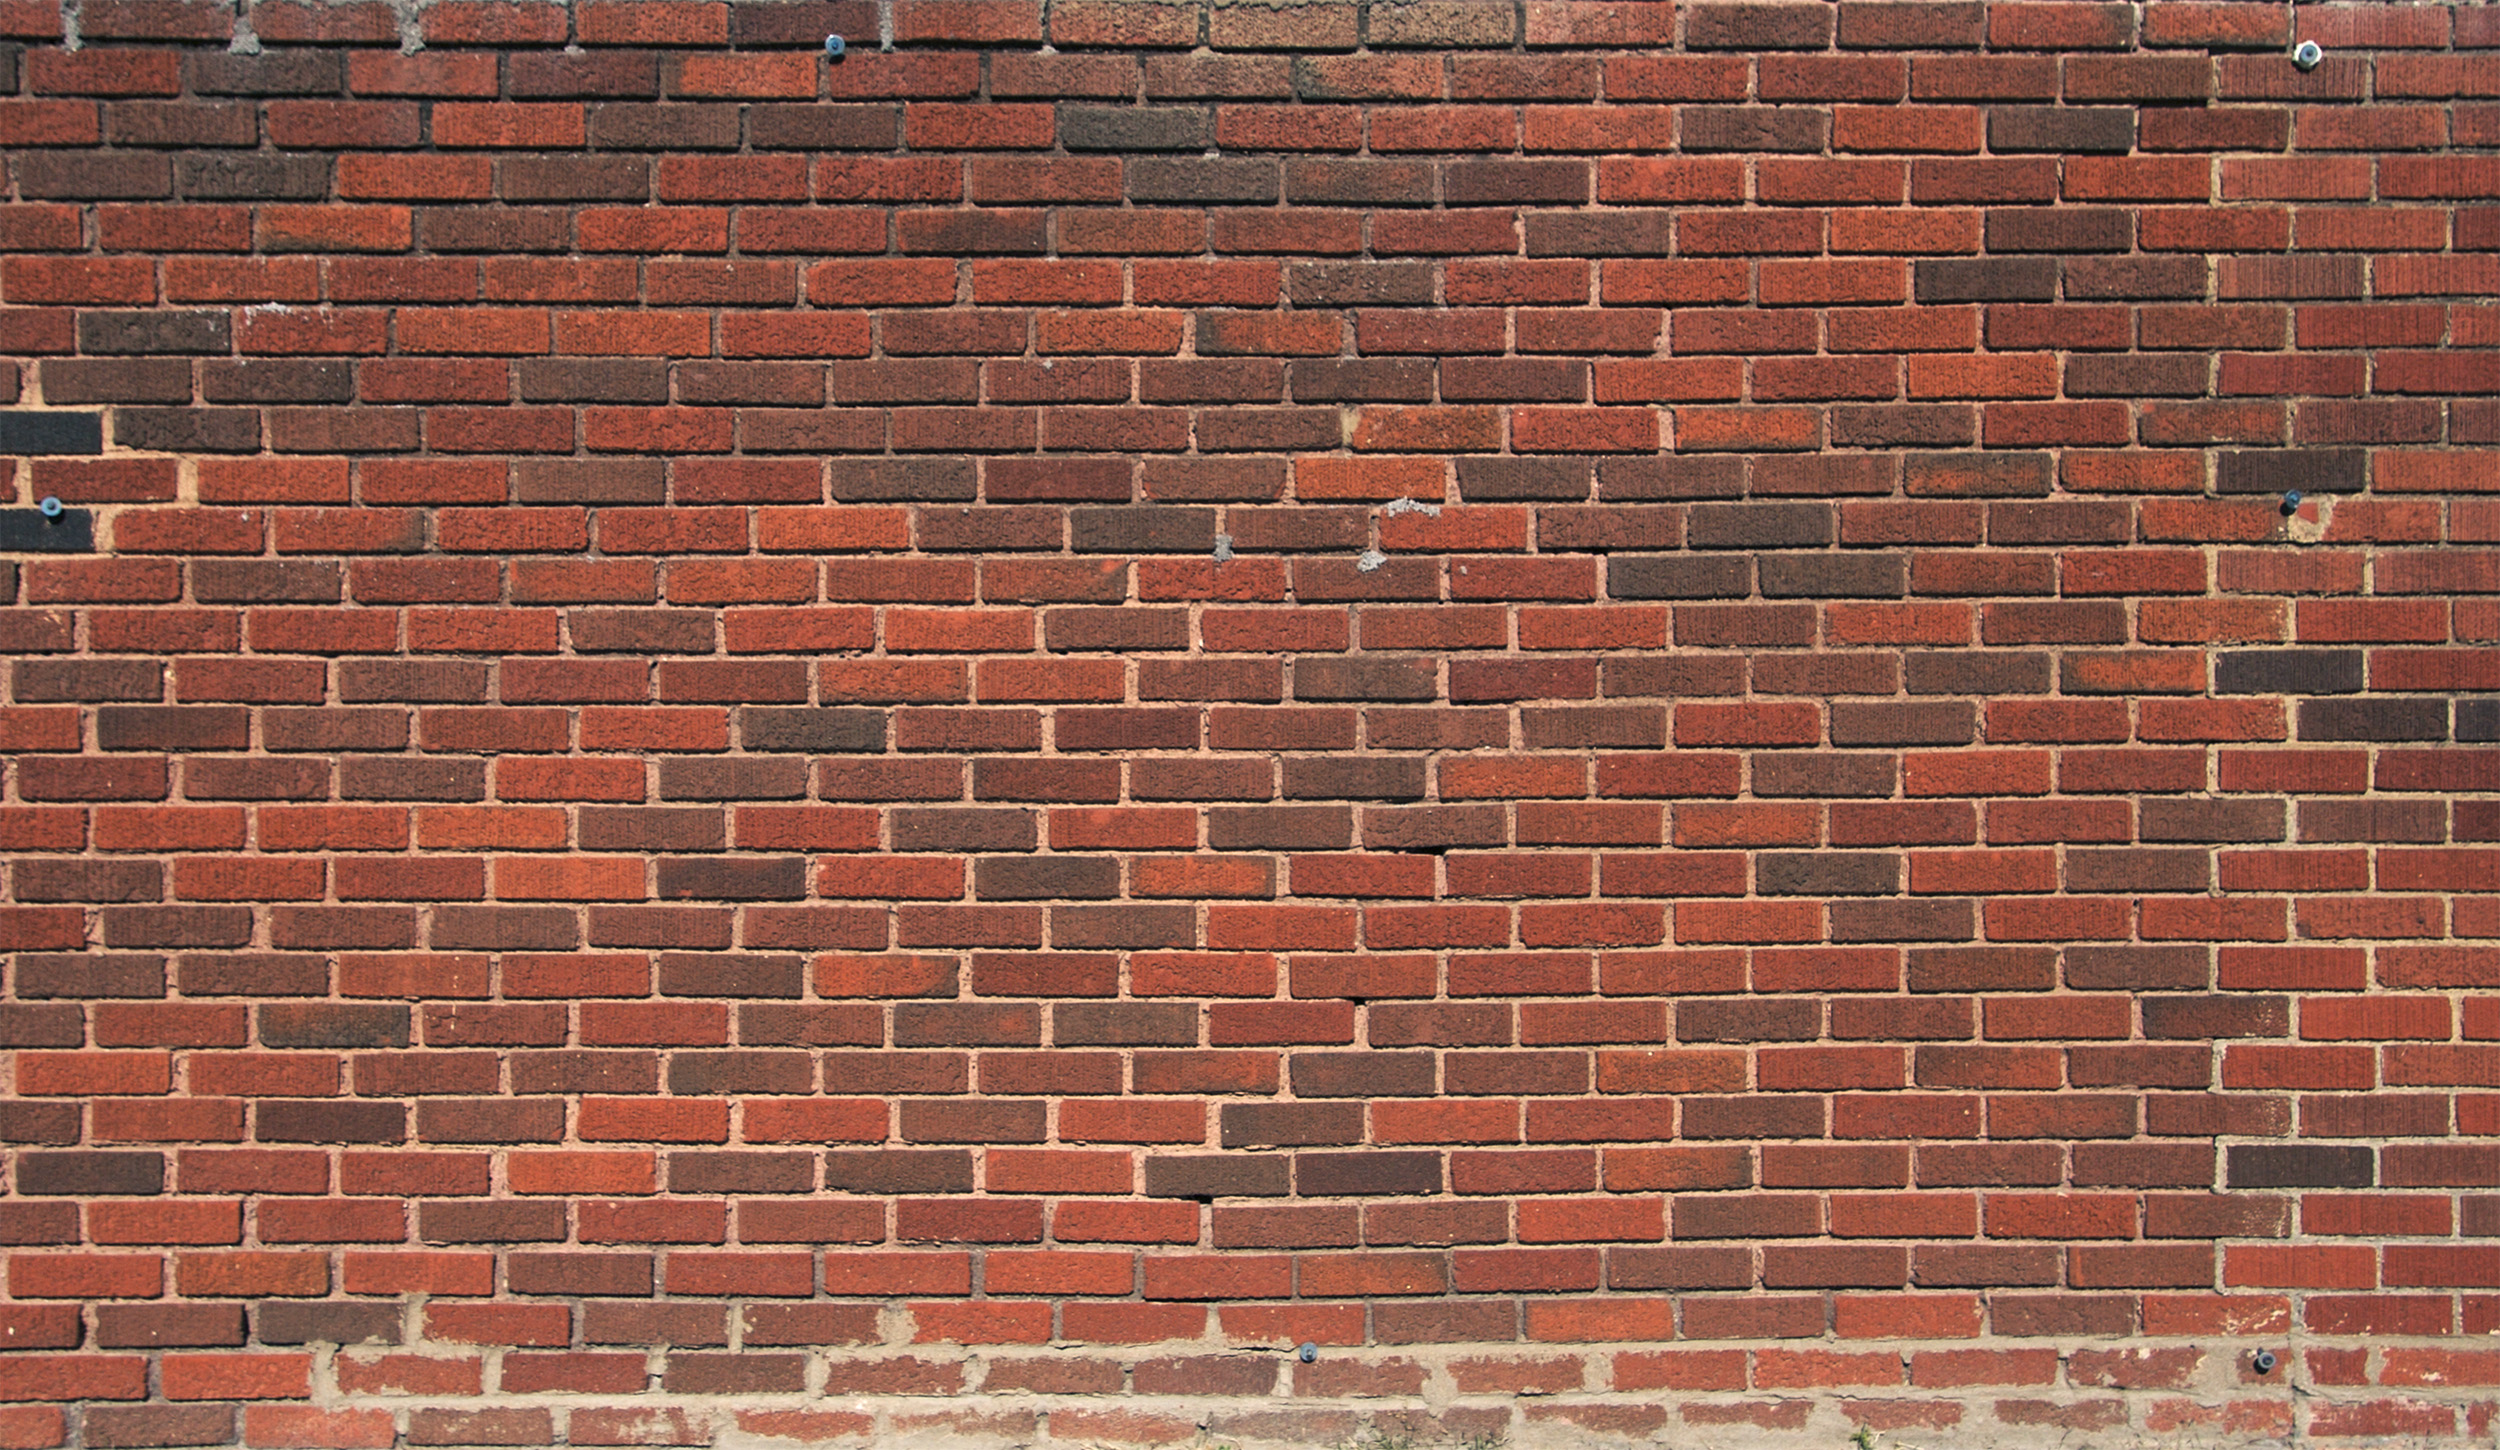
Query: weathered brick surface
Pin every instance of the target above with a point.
(1612, 706)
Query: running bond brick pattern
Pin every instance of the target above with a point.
(1613, 707)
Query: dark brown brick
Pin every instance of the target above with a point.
(89, 1173)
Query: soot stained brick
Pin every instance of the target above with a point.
(814, 731)
(1208, 1175)
(2374, 719)
(90, 1173)
(2266, 1165)
(1995, 279)
(154, 332)
(2307, 470)
(1677, 576)
(1260, 1125)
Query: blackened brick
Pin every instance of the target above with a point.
(2380, 718)
(1546, 479)
(903, 1170)
(154, 332)
(2307, 470)
(90, 1173)
(2477, 723)
(333, 1024)
(1151, 530)
(1136, 128)
(1207, 179)
(49, 431)
(2288, 672)
(1835, 576)
(1210, 1175)
(1680, 576)
(1758, 525)
(821, 128)
(307, 72)
(2060, 128)
(593, 380)
(1966, 672)
(2285, 1165)
(252, 177)
(277, 380)
(1994, 279)
(168, 727)
(188, 430)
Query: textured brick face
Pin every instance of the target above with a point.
(1617, 707)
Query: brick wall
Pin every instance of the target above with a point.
(1615, 708)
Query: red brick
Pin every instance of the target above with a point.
(2025, 672)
